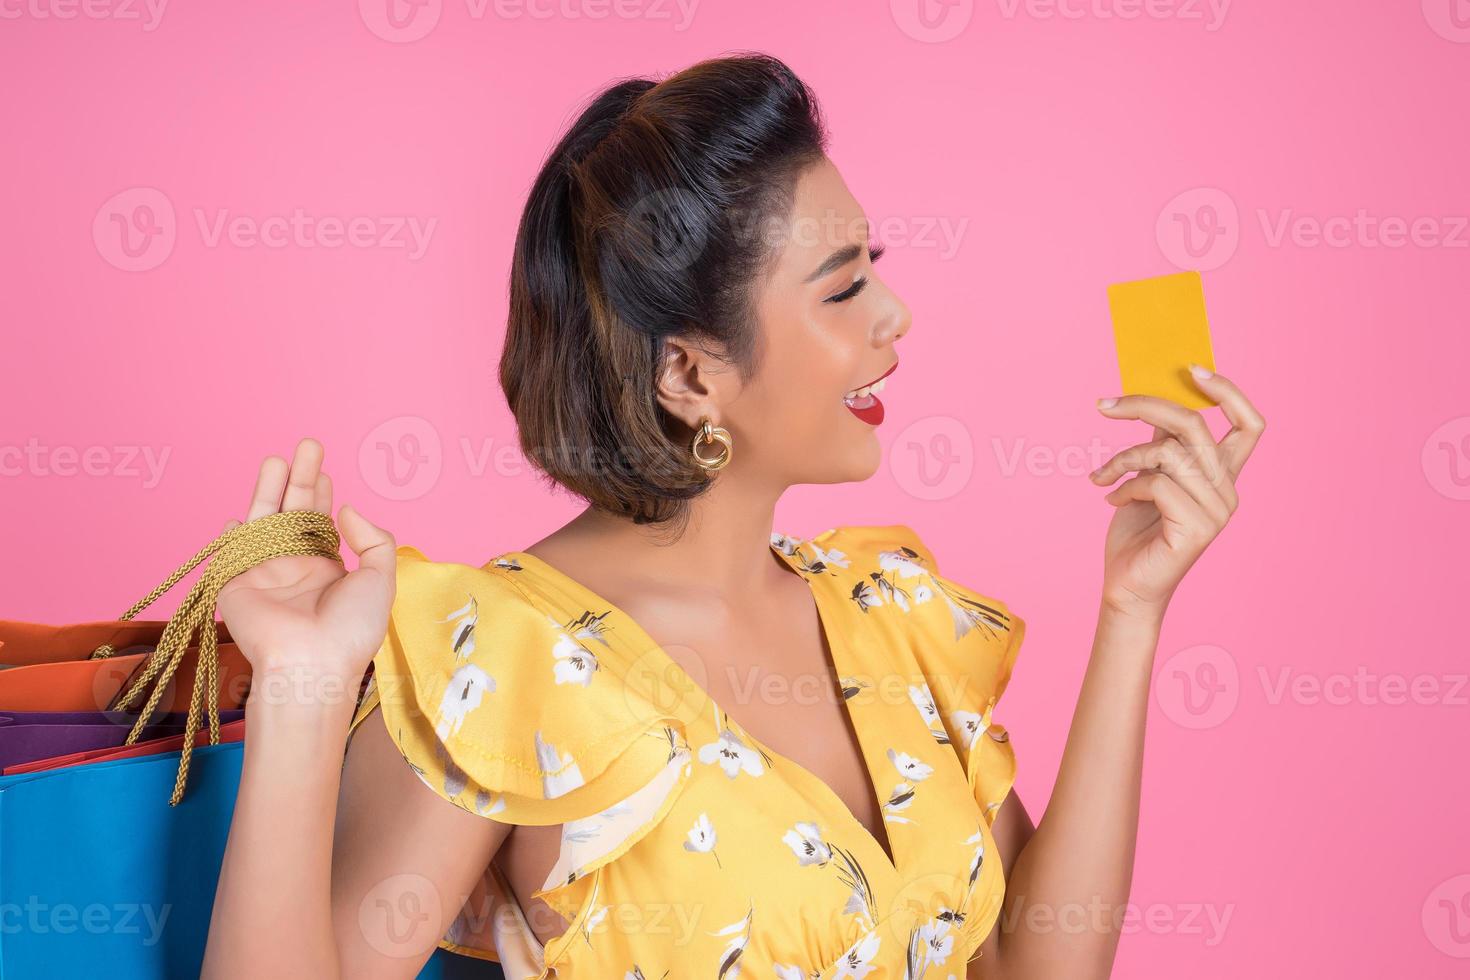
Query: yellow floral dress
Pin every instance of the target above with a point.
(689, 849)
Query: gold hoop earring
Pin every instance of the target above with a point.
(706, 435)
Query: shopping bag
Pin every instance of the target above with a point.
(27, 736)
(93, 685)
(232, 731)
(25, 644)
(176, 672)
(135, 901)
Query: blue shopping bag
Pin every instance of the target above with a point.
(101, 877)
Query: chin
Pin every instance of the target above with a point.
(854, 463)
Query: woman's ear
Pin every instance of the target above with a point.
(692, 381)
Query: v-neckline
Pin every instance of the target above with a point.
(835, 653)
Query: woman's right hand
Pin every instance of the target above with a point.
(305, 611)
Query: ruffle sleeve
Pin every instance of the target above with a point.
(966, 644)
(505, 711)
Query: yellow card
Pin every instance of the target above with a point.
(1160, 328)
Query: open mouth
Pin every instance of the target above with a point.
(863, 402)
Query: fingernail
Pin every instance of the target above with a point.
(1106, 402)
(1200, 373)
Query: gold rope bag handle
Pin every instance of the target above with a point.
(290, 532)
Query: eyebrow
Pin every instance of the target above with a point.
(837, 260)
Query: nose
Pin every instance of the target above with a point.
(893, 322)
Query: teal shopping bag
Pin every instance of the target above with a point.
(101, 877)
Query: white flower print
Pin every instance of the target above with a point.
(936, 942)
(702, 838)
(805, 841)
(462, 637)
(455, 779)
(978, 839)
(891, 592)
(784, 972)
(467, 687)
(733, 755)
(740, 933)
(487, 805)
(784, 544)
(909, 767)
(559, 773)
(834, 558)
(866, 596)
(904, 562)
(923, 699)
(857, 962)
(595, 915)
(575, 664)
(898, 801)
(970, 725)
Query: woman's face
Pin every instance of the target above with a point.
(827, 327)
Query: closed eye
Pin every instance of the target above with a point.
(875, 252)
(849, 292)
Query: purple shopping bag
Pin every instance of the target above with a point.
(26, 736)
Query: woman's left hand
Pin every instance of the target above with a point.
(1180, 500)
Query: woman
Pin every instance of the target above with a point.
(615, 754)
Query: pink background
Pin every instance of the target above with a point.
(1324, 826)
